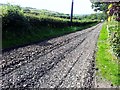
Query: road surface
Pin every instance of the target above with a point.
(62, 62)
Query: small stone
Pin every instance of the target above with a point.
(112, 85)
(97, 85)
(24, 85)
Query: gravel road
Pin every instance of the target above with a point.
(62, 62)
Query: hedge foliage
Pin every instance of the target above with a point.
(54, 21)
(115, 37)
(13, 16)
(15, 20)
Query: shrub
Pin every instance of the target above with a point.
(13, 19)
(115, 39)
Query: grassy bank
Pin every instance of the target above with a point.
(38, 34)
(106, 61)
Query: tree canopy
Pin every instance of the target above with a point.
(109, 8)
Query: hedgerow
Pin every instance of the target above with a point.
(13, 17)
(115, 37)
(114, 26)
(15, 20)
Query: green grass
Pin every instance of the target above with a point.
(106, 62)
(38, 34)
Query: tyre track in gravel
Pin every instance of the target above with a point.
(54, 82)
(89, 80)
(28, 75)
(54, 78)
(82, 76)
(46, 65)
(67, 65)
(17, 63)
(14, 64)
(57, 44)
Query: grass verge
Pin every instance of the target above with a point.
(38, 34)
(106, 62)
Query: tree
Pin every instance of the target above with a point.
(100, 6)
(108, 8)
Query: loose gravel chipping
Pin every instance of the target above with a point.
(62, 62)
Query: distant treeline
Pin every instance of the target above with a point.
(98, 16)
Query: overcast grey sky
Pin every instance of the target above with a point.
(63, 6)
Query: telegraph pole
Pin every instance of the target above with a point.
(71, 12)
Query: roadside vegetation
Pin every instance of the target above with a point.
(26, 25)
(107, 63)
(108, 55)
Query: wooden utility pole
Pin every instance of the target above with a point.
(71, 16)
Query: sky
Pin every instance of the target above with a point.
(62, 6)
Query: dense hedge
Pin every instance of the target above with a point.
(115, 38)
(19, 27)
(54, 21)
(14, 19)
